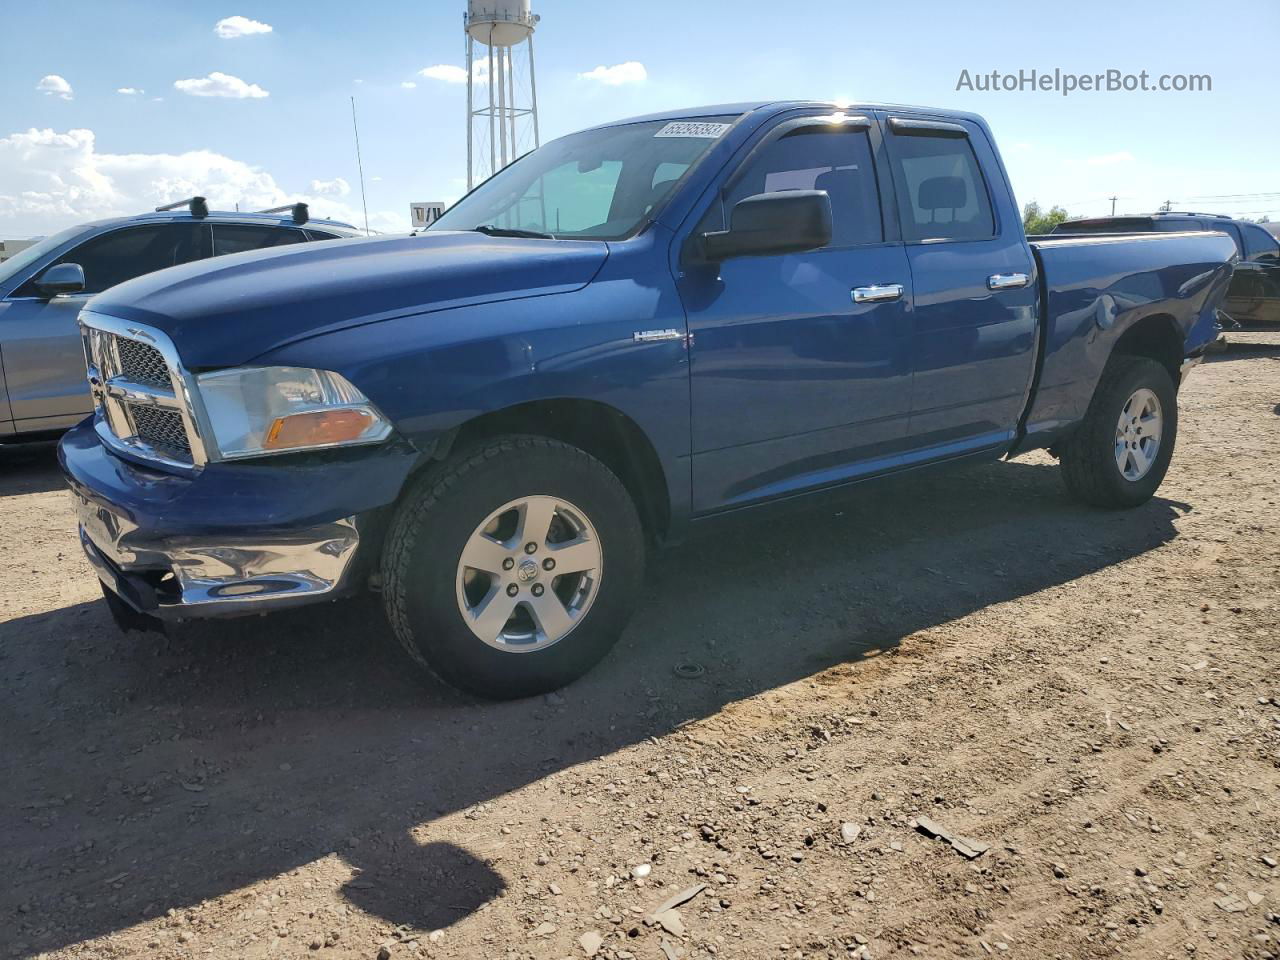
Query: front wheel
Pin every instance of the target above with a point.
(1120, 452)
(512, 568)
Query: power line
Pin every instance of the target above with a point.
(1235, 196)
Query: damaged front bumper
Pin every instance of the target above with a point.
(185, 577)
(233, 539)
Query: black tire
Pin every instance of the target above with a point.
(439, 515)
(1088, 456)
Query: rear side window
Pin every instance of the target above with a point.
(112, 258)
(816, 158)
(1260, 245)
(942, 195)
(239, 237)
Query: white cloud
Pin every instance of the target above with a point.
(50, 180)
(337, 187)
(131, 91)
(446, 72)
(221, 85)
(408, 85)
(55, 86)
(229, 28)
(620, 73)
(1110, 159)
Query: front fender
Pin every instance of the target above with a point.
(432, 374)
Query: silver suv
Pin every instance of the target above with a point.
(42, 288)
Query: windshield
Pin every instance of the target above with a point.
(24, 258)
(599, 184)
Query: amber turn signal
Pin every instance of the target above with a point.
(317, 429)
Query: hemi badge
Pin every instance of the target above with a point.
(654, 336)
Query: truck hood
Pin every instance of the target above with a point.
(228, 310)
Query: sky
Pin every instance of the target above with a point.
(128, 104)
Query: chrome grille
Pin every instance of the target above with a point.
(133, 372)
(142, 362)
(160, 428)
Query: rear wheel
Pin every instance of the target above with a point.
(1119, 454)
(513, 568)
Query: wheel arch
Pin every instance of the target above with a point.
(601, 430)
(1157, 337)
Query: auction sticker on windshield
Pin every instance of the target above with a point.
(689, 128)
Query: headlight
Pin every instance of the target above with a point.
(260, 410)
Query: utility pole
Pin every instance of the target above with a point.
(1113, 204)
(1166, 206)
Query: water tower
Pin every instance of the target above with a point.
(508, 126)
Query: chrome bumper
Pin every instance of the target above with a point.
(179, 578)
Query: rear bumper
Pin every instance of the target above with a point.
(232, 539)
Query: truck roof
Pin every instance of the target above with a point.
(769, 107)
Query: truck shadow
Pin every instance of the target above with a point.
(29, 468)
(198, 763)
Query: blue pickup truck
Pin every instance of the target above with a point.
(627, 331)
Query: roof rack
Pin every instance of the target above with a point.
(1189, 213)
(198, 206)
(299, 210)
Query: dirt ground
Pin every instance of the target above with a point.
(1093, 695)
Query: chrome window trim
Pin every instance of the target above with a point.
(108, 391)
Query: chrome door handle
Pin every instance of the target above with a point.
(876, 293)
(1007, 281)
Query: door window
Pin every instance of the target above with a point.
(112, 258)
(817, 158)
(239, 237)
(942, 195)
(1260, 245)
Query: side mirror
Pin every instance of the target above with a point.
(770, 223)
(61, 278)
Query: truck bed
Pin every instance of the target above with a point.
(1093, 287)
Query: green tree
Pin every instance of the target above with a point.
(1035, 220)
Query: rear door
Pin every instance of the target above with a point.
(1255, 285)
(44, 362)
(973, 339)
(794, 384)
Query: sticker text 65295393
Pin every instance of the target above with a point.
(693, 128)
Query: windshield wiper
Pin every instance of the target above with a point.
(493, 230)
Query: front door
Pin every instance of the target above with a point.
(43, 358)
(794, 385)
